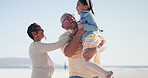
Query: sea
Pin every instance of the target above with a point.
(113, 68)
(24, 63)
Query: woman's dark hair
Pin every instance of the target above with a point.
(84, 2)
(32, 28)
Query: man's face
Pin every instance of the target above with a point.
(69, 23)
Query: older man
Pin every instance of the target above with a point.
(73, 50)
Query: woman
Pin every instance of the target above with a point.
(41, 63)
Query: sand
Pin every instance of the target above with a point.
(26, 73)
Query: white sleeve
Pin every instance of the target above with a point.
(61, 37)
(63, 47)
(46, 47)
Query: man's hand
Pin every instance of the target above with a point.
(81, 32)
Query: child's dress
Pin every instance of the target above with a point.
(90, 38)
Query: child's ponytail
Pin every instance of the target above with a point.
(90, 5)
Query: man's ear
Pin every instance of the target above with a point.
(62, 26)
(34, 34)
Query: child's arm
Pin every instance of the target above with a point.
(91, 23)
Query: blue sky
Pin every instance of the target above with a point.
(125, 24)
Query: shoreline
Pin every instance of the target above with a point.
(61, 73)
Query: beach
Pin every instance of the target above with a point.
(61, 73)
(131, 74)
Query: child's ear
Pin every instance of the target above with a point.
(86, 6)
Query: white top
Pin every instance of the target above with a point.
(41, 63)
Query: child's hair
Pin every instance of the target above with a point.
(32, 28)
(88, 3)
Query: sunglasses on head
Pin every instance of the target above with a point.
(37, 29)
(69, 18)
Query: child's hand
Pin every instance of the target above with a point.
(80, 26)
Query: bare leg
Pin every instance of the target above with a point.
(95, 68)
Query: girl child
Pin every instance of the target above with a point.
(90, 38)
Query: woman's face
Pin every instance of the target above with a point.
(39, 34)
(80, 7)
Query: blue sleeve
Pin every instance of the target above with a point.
(91, 23)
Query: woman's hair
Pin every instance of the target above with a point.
(88, 3)
(32, 28)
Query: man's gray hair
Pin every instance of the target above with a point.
(63, 17)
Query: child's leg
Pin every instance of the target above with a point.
(90, 42)
(96, 68)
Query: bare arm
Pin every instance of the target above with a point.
(71, 48)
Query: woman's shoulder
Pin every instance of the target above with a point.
(35, 44)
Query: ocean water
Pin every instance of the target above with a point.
(114, 68)
(127, 68)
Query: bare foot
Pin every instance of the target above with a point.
(110, 75)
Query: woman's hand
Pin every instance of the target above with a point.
(102, 46)
(72, 34)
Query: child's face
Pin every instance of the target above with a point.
(80, 7)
